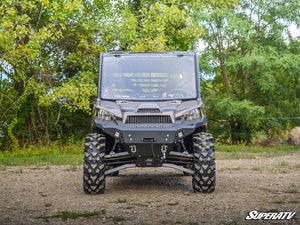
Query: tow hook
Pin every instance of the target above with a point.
(164, 150)
(133, 148)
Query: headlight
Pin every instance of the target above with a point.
(104, 115)
(193, 114)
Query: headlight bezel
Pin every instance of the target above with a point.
(193, 114)
(104, 115)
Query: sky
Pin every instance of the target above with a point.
(294, 30)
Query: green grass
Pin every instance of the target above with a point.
(47, 167)
(282, 164)
(19, 171)
(268, 190)
(54, 154)
(48, 204)
(277, 202)
(121, 200)
(141, 204)
(235, 168)
(274, 210)
(291, 191)
(2, 168)
(288, 191)
(256, 168)
(72, 154)
(117, 219)
(72, 215)
(294, 202)
(252, 152)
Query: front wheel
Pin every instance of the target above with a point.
(204, 178)
(94, 164)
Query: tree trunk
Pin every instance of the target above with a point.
(225, 76)
(232, 131)
(19, 87)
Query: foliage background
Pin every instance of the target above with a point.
(49, 52)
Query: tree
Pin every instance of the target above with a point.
(43, 45)
(249, 49)
(50, 55)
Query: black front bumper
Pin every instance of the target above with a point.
(147, 142)
(143, 133)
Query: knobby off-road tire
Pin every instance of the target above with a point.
(204, 178)
(94, 164)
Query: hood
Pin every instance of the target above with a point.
(176, 107)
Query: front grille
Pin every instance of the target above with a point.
(148, 110)
(149, 119)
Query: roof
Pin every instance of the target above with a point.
(191, 53)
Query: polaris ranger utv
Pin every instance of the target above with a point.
(149, 113)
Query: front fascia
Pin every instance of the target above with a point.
(161, 133)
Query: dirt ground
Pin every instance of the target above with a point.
(153, 195)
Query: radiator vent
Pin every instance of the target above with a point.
(149, 119)
(148, 110)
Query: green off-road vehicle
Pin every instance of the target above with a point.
(149, 113)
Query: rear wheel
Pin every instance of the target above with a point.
(94, 164)
(204, 178)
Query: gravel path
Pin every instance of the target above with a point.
(153, 195)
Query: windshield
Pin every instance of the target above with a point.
(153, 77)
